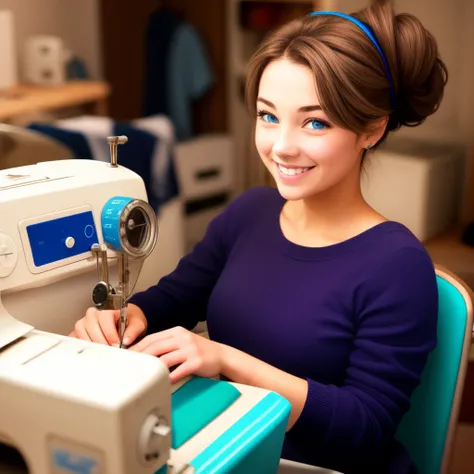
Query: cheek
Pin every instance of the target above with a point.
(317, 149)
(264, 141)
(330, 150)
(321, 150)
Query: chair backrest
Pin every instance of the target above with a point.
(427, 430)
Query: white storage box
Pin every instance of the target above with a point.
(415, 183)
(204, 166)
(204, 169)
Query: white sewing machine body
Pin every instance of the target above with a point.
(72, 406)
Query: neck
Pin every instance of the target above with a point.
(332, 208)
(335, 215)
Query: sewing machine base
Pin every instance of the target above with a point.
(74, 406)
(247, 426)
(216, 426)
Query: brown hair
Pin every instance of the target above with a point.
(352, 81)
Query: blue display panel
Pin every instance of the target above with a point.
(61, 238)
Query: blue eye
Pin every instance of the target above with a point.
(266, 117)
(317, 125)
(270, 118)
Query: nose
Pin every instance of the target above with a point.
(285, 147)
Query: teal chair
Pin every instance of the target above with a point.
(428, 429)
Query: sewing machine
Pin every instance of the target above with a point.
(74, 233)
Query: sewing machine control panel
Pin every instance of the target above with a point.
(60, 238)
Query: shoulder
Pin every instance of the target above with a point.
(409, 267)
(254, 202)
(392, 245)
(258, 193)
(408, 253)
(401, 277)
(244, 212)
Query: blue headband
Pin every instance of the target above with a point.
(371, 36)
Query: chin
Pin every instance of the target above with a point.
(295, 193)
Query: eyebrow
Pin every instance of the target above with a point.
(306, 108)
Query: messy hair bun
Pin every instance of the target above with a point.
(412, 53)
(352, 80)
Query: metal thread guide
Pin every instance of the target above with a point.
(113, 143)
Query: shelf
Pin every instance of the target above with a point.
(24, 99)
(262, 16)
(255, 19)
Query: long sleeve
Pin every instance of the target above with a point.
(180, 298)
(352, 425)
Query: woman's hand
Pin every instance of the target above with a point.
(101, 326)
(193, 354)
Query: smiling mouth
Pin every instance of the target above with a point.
(292, 170)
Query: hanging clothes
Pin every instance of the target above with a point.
(178, 70)
(160, 30)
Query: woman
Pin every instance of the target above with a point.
(307, 290)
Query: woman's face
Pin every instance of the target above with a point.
(304, 151)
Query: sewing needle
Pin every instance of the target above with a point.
(123, 323)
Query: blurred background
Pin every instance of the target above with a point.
(169, 74)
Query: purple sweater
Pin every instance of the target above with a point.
(357, 320)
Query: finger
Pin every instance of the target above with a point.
(80, 331)
(145, 342)
(92, 326)
(175, 332)
(72, 334)
(135, 328)
(185, 369)
(158, 347)
(174, 358)
(108, 325)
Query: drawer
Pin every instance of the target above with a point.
(204, 166)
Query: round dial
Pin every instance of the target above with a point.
(130, 226)
(100, 294)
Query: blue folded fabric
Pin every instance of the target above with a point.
(76, 142)
(137, 155)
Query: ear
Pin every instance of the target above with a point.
(376, 131)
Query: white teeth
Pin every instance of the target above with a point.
(292, 171)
